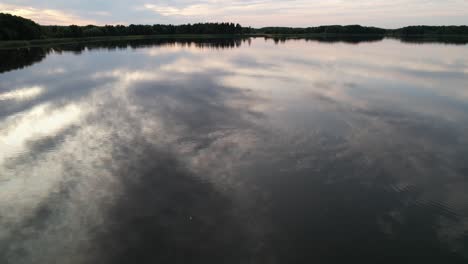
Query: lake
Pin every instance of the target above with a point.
(250, 150)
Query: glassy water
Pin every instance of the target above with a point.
(235, 151)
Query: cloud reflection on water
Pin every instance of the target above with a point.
(263, 153)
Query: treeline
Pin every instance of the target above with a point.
(120, 30)
(334, 29)
(431, 30)
(18, 28)
(357, 29)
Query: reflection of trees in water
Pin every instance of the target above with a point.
(455, 40)
(216, 43)
(356, 39)
(330, 38)
(13, 59)
(20, 58)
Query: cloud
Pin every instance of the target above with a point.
(305, 12)
(255, 13)
(45, 16)
(219, 8)
(22, 94)
(101, 13)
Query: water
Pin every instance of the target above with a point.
(235, 151)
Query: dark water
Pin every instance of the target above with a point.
(235, 151)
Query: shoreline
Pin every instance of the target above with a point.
(14, 44)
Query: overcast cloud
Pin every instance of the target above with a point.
(383, 13)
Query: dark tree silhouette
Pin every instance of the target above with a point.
(18, 28)
(334, 29)
(431, 30)
(133, 30)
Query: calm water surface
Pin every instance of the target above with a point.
(235, 151)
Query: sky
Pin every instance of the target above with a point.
(256, 13)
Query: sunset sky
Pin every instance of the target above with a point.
(256, 13)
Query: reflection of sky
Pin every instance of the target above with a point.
(86, 138)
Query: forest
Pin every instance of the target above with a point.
(18, 28)
(431, 30)
(74, 31)
(334, 29)
(357, 29)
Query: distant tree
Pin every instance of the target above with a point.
(93, 31)
(431, 30)
(74, 31)
(332, 29)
